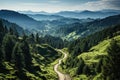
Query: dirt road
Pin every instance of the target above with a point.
(60, 74)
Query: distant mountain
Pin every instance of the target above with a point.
(41, 17)
(79, 14)
(86, 14)
(14, 26)
(43, 27)
(108, 21)
(58, 26)
(110, 10)
(22, 20)
(31, 12)
(76, 30)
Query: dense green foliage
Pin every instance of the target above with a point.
(81, 57)
(16, 28)
(73, 31)
(111, 63)
(24, 58)
(32, 57)
(55, 42)
(84, 44)
(66, 28)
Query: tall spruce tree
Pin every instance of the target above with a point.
(81, 65)
(1, 32)
(26, 52)
(111, 70)
(18, 56)
(37, 38)
(7, 46)
(1, 55)
(99, 66)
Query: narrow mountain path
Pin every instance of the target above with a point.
(60, 74)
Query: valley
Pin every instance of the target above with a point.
(61, 75)
(66, 45)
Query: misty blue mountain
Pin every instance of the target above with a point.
(59, 26)
(59, 39)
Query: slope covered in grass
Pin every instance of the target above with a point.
(42, 65)
(86, 64)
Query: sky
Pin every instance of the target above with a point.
(59, 5)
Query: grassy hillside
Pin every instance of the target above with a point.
(42, 68)
(91, 59)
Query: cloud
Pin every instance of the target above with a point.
(102, 4)
(54, 1)
(31, 4)
(112, 3)
(59, 5)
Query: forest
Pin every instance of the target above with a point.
(59, 47)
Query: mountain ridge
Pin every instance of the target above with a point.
(21, 19)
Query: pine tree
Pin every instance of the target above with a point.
(1, 27)
(7, 46)
(1, 32)
(26, 52)
(99, 66)
(11, 31)
(21, 55)
(1, 55)
(31, 39)
(6, 30)
(81, 65)
(37, 38)
(18, 56)
(24, 36)
(86, 70)
(111, 63)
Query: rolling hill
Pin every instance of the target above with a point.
(76, 30)
(22, 20)
(87, 56)
(87, 14)
(41, 17)
(14, 26)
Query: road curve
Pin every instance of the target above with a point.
(61, 76)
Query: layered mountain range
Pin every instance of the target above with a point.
(59, 25)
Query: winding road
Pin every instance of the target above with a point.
(61, 75)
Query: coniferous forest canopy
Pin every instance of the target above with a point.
(60, 42)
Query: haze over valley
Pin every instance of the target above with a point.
(59, 40)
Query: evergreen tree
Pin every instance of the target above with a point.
(111, 63)
(86, 70)
(7, 46)
(24, 37)
(6, 30)
(1, 27)
(81, 65)
(26, 52)
(18, 56)
(37, 38)
(11, 31)
(99, 66)
(21, 55)
(31, 39)
(1, 55)
(1, 32)
(76, 51)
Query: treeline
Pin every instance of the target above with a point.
(84, 44)
(110, 65)
(68, 28)
(19, 51)
(104, 66)
(107, 68)
(55, 42)
(15, 51)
